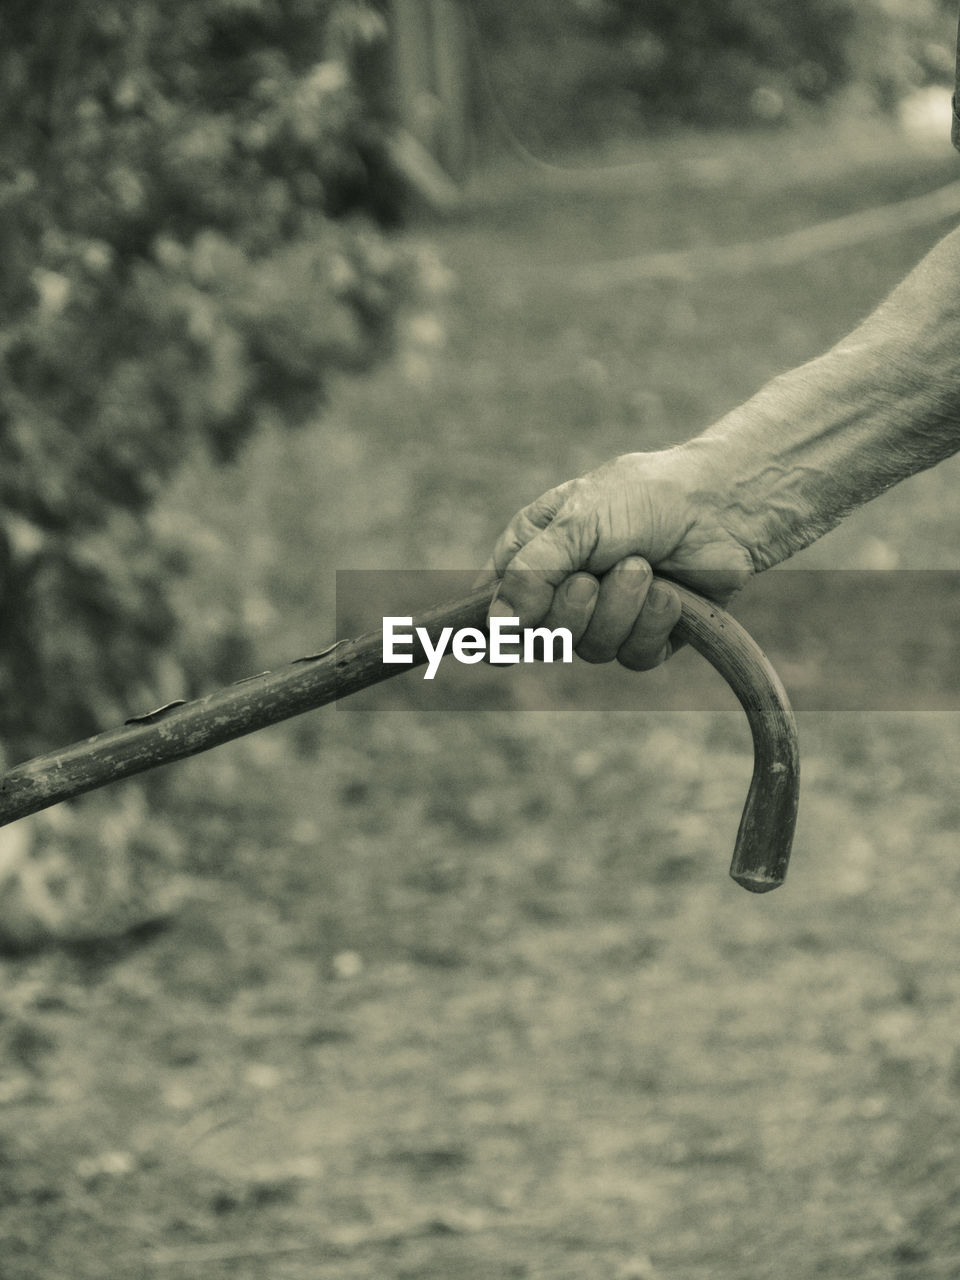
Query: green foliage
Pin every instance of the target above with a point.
(184, 256)
(588, 70)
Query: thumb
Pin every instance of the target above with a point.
(529, 580)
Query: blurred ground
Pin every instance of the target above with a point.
(469, 994)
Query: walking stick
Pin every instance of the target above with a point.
(182, 729)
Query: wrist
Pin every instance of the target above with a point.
(753, 494)
(738, 494)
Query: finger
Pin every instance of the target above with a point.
(527, 587)
(649, 641)
(573, 605)
(623, 590)
(526, 524)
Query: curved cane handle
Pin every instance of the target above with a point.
(765, 837)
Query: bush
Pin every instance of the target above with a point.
(189, 189)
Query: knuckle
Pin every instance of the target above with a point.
(549, 504)
(506, 546)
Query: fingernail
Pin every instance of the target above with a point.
(633, 564)
(582, 590)
(658, 598)
(500, 609)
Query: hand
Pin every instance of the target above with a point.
(582, 556)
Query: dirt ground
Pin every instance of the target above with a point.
(469, 993)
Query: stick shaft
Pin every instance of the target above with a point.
(192, 727)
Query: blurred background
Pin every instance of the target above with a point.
(293, 286)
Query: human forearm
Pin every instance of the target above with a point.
(827, 437)
(764, 482)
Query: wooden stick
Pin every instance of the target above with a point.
(184, 729)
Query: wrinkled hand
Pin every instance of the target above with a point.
(582, 556)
